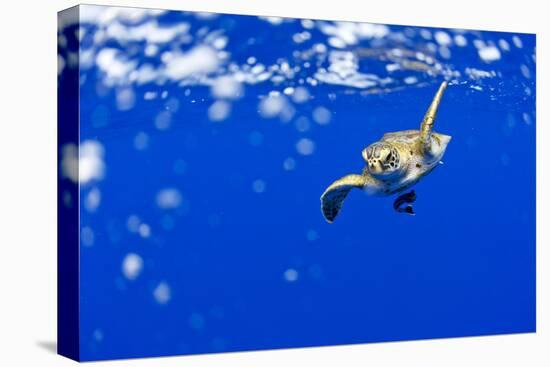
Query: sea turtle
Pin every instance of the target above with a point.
(393, 164)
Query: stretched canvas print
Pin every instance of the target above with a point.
(236, 183)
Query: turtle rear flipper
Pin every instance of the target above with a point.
(405, 199)
(334, 196)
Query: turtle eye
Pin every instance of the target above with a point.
(391, 161)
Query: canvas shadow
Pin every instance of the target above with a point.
(50, 346)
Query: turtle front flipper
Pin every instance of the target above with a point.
(428, 122)
(334, 196)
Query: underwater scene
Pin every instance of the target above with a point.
(236, 192)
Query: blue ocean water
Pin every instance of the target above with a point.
(207, 140)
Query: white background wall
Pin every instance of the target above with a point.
(28, 75)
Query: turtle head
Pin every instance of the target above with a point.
(382, 159)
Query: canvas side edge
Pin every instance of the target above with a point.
(68, 322)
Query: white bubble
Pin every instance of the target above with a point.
(321, 115)
(72, 59)
(60, 64)
(320, 48)
(92, 200)
(426, 34)
(163, 120)
(289, 164)
(517, 42)
(305, 146)
(168, 198)
(479, 43)
(460, 40)
(125, 99)
(226, 87)
(445, 52)
(288, 91)
(141, 141)
(114, 65)
(205, 15)
(69, 162)
(527, 118)
(397, 52)
(291, 275)
(151, 50)
(90, 164)
(219, 110)
(479, 74)
(410, 80)
(504, 45)
(145, 74)
(276, 105)
(273, 105)
(61, 41)
(149, 31)
(257, 69)
(162, 293)
(300, 95)
(525, 71)
(220, 43)
(393, 67)
(443, 38)
(301, 37)
(199, 60)
(133, 223)
(87, 236)
(259, 186)
(308, 23)
(132, 265)
(344, 70)
(144, 230)
(337, 42)
(352, 32)
(272, 20)
(98, 335)
(489, 53)
(150, 95)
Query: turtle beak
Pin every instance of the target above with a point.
(376, 167)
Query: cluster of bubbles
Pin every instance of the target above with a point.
(155, 53)
(134, 49)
